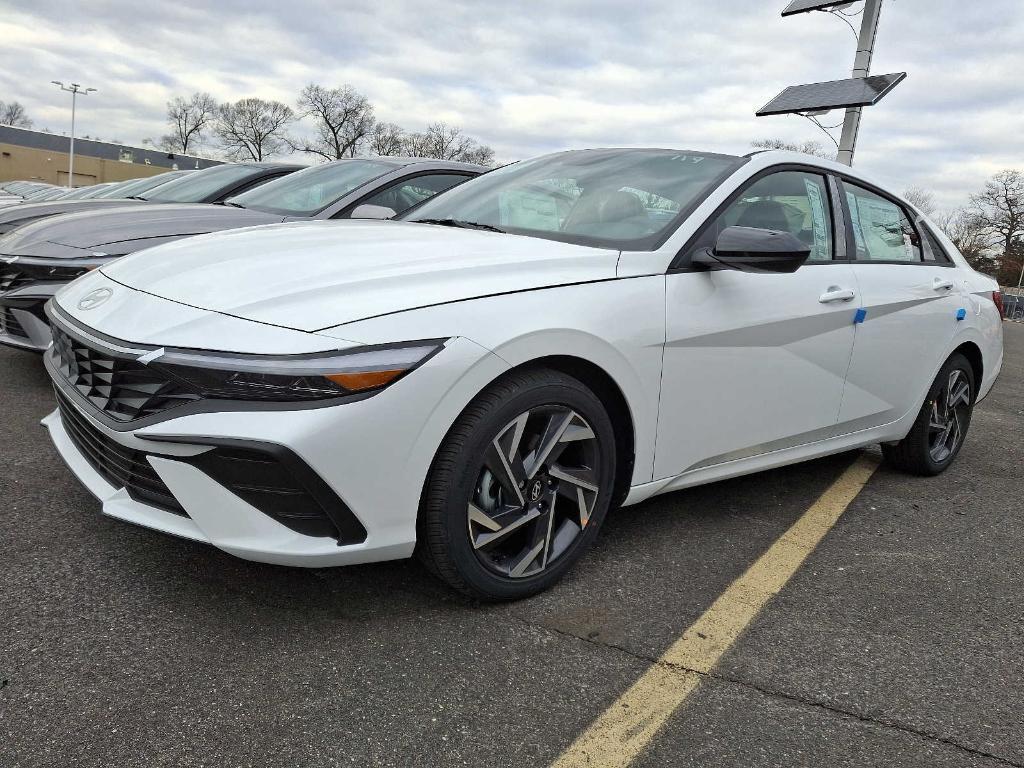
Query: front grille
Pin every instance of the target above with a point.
(9, 324)
(11, 277)
(118, 385)
(119, 465)
(18, 275)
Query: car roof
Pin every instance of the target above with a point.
(417, 163)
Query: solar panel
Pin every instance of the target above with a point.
(835, 94)
(803, 6)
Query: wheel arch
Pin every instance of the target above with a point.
(972, 352)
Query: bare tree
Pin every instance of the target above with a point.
(999, 208)
(13, 113)
(253, 128)
(386, 139)
(447, 142)
(1011, 266)
(921, 199)
(968, 235)
(343, 118)
(188, 118)
(808, 147)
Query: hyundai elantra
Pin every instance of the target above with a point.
(482, 381)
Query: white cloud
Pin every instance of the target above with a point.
(534, 76)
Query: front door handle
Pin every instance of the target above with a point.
(938, 284)
(835, 293)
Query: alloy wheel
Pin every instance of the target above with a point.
(949, 414)
(536, 488)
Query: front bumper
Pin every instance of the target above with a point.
(26, 284)
(22, 320)
(374, 455)
(207, 511)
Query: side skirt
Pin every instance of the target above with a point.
(894, 430)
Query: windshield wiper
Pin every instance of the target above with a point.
(136, 197)
(460, 224)
(233, 205)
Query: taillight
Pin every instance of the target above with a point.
(997, 299)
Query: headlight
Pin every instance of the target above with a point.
(295, 377)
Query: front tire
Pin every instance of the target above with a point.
(941, 427)
(519, 488)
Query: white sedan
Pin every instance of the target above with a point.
(482, 382)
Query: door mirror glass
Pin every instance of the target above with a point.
(367, 211)
(750, 249)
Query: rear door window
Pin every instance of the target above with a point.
(881, 229)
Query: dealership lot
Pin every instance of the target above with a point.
(899, 641)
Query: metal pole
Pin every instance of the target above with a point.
(71, 154)
(861, 68)
(74, 90)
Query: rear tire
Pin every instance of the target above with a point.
(519, 487)
(941, 427)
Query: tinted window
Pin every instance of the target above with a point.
(201, 185)
(881, 230)
(789, 201)
(311, 190)
(610, 198)
(404, 195)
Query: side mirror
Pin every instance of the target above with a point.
(367, 211)
(748, 249)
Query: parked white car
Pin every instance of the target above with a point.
(483, 381)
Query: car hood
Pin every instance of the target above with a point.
(312, 276)
(16, 215)
(124, 229)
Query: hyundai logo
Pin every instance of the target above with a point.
(93, 299)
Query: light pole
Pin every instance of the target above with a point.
(74, 89)
(861, 68)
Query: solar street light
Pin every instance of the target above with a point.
(819, 98)
(859, 91)
(805, 6)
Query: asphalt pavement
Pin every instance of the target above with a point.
(899, 642)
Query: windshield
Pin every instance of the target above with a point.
(95, 191)
(614, 198)
(45, 194)
(138, 186)
(311, 190)
(84, 193)
(199, 186)
(29, 194)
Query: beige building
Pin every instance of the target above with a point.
(37, 156)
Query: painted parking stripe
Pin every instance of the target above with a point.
(620, 734)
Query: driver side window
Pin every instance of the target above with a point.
(788, 201)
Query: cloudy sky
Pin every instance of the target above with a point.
(531, 77)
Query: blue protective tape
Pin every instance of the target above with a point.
(860, 316)
(961, 313)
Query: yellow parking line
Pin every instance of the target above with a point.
(632, 722)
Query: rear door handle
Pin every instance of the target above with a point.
(835, 293)
(938, 284)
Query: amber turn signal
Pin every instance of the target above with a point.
(357, 381)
